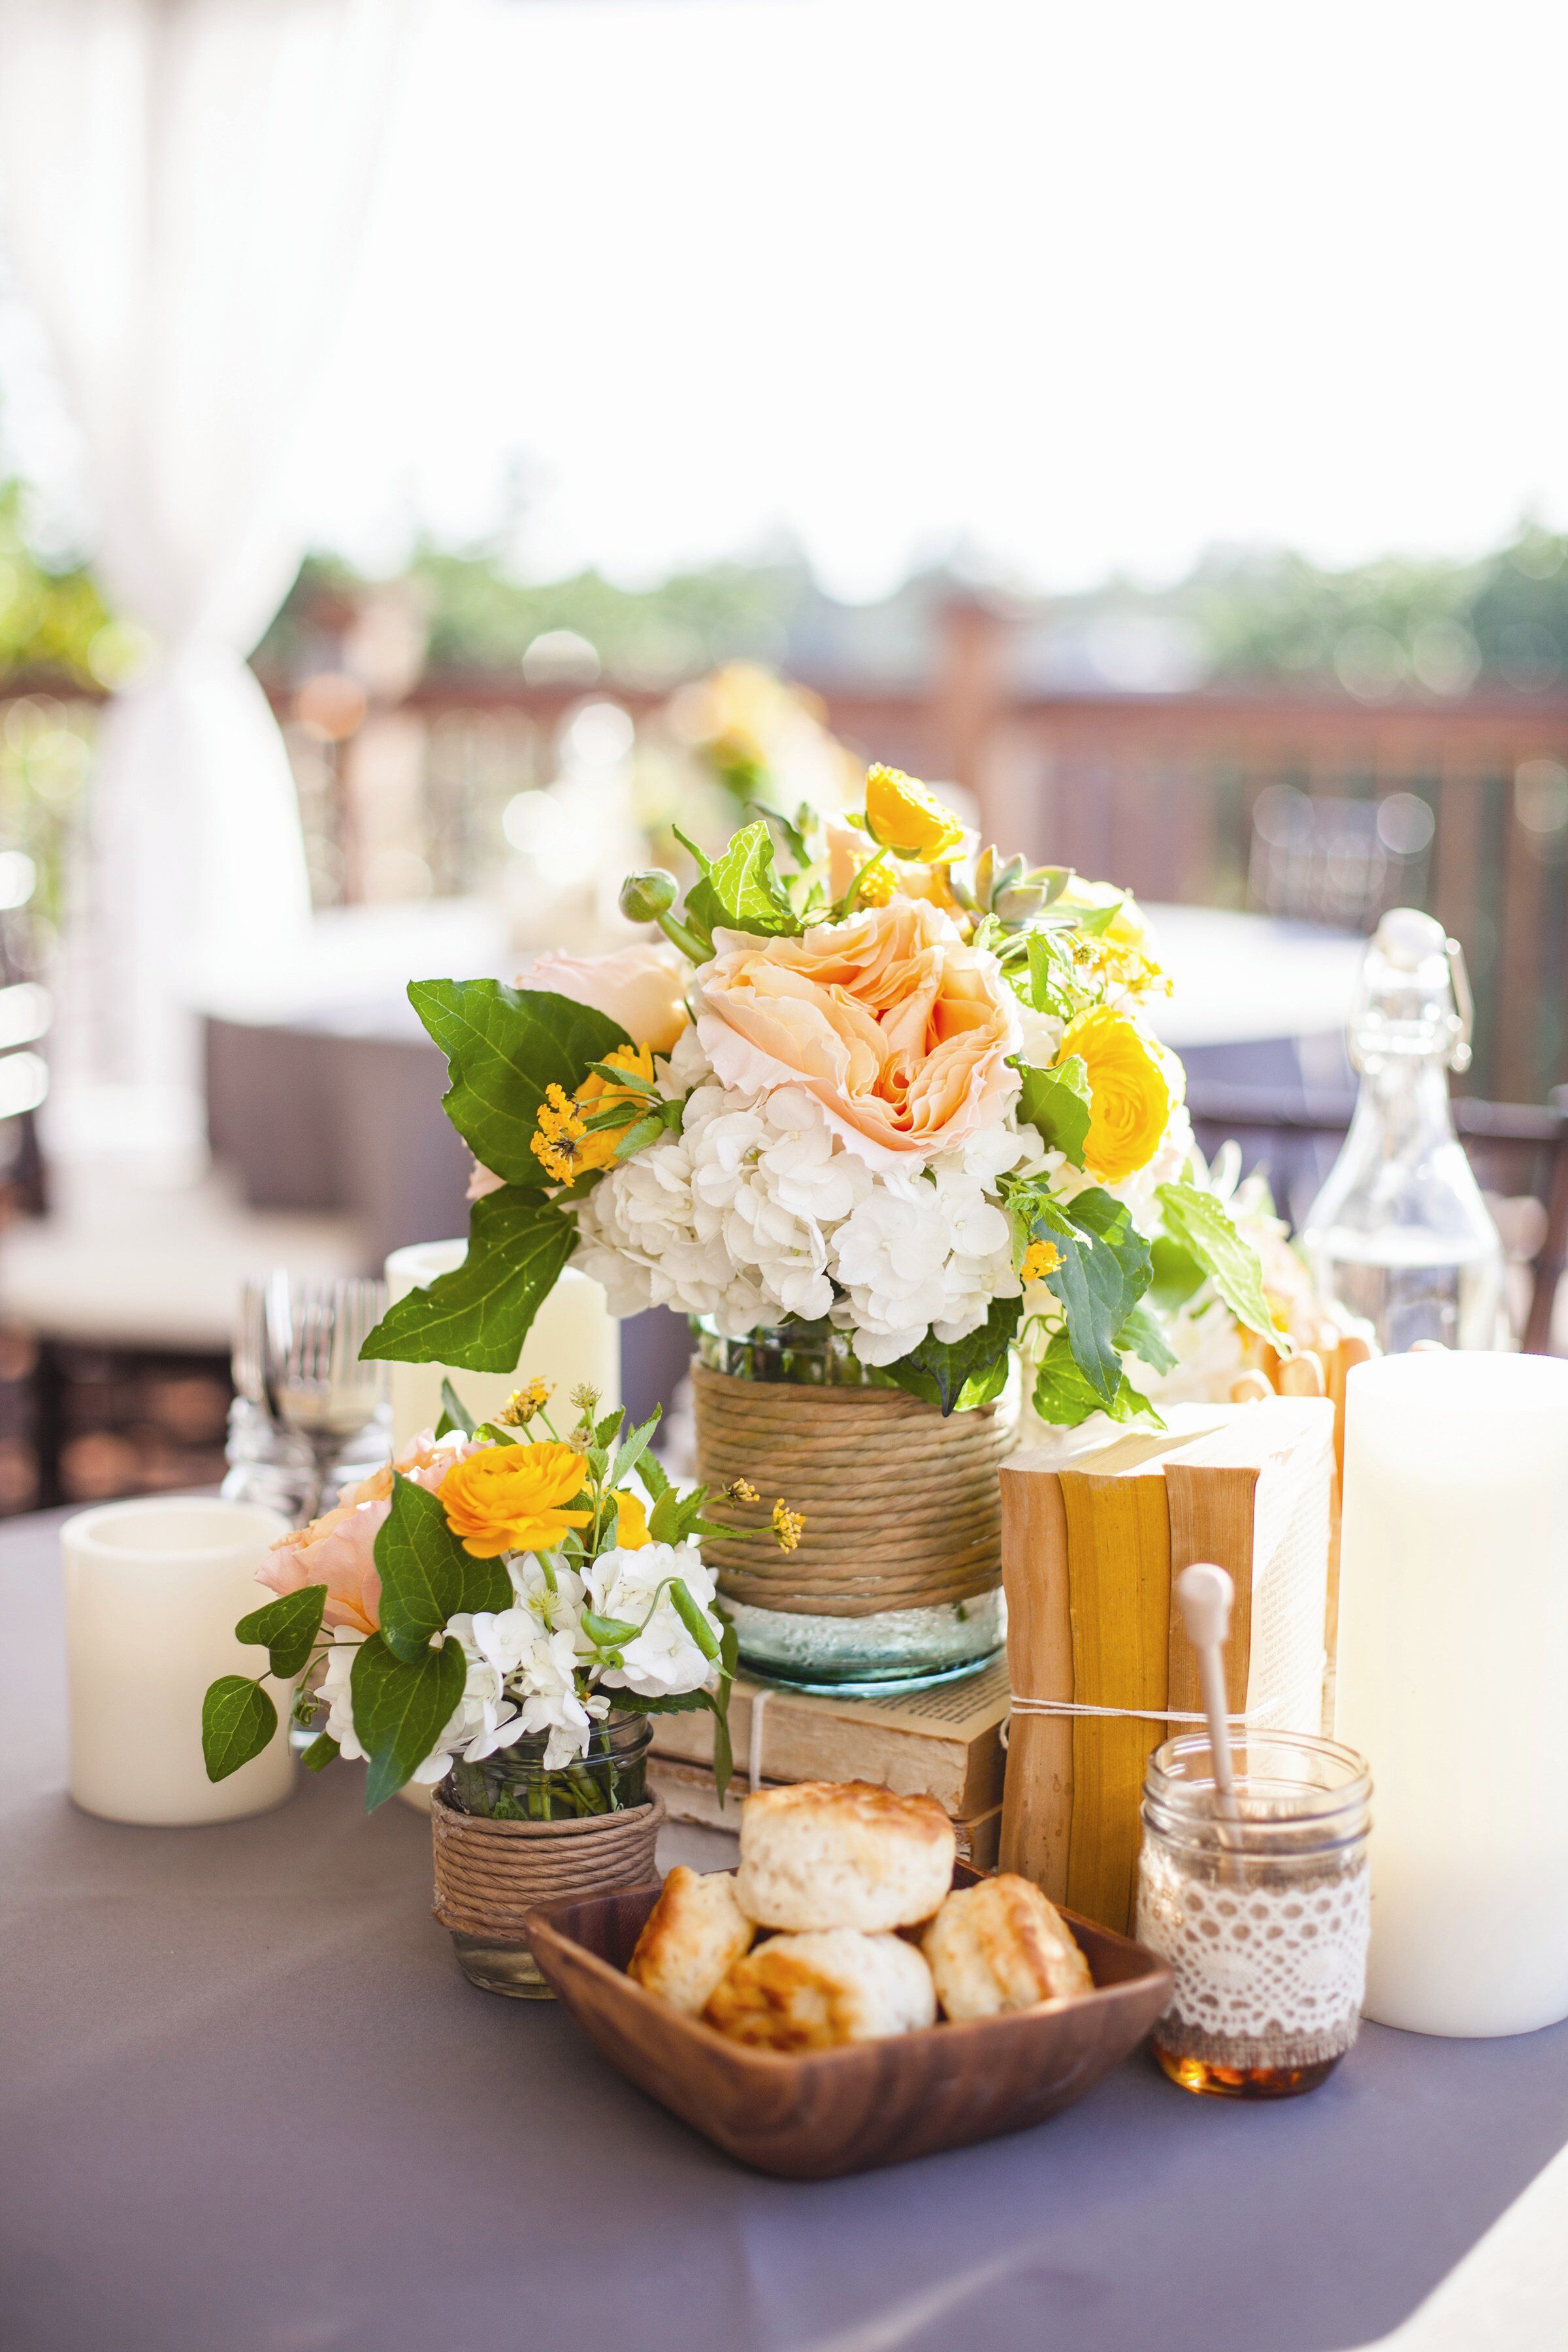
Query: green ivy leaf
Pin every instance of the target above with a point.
(1047, 972)
(1197, 1221)
(479, 1314)
(1104, 1272)
(1063, 1396)
(237, 1721)
(1097, 920)
(427, 1576)
(743, 888)
(455, 1414)
(1056, 1102)
(504, 1046)
(1142, 1335)
(286, 1629)
(957, 1375)
(401, 1709)
(1177, 1274)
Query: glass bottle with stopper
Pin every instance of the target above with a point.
(1400, 1235)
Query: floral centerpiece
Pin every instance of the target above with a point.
(883, 1101)
(492, 1596)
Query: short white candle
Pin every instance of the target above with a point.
(573, 1339)
(153, 1590)
(1453, 1682)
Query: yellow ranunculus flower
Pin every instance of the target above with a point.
(902, 816)
(512, 1499)
(631, 1520)
(1129, 1094)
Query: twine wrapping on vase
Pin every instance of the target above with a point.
(903, 1504)
(490, 1873)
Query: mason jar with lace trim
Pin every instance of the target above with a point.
(1262, 1910)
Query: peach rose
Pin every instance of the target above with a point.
(643, 987)
(338, 1548)
(898, 1029)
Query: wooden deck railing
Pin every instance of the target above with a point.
(1155, 791)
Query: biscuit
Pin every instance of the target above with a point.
(816, 1992)
(825, 1854)
(693, 1935)
(1001, 1945)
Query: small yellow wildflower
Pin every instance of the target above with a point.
(631, 1520)
(1039, 1259)
(740, 1490)
(1122, 966)
(902, 816)
(563, 1144)
(513, 1498)
(788, 1526)
(522, 1404)
(876, 887)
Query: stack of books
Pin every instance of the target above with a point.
(1092, 1540)
(945, 1742)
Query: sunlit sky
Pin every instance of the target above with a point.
(1071, 287)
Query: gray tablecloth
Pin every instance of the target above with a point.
(247, 2104)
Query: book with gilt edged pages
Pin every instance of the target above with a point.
(1091, 1540)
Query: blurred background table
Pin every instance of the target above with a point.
(323, 1091)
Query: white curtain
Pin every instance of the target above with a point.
(186, 185)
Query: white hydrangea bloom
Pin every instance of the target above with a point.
(664, 1659)
(757, 1209)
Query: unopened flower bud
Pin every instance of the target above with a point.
(645, 897)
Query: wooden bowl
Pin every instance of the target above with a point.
(814, 2117)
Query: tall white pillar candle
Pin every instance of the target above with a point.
(153, 1590)
(1453, 1682)
(573, 1339)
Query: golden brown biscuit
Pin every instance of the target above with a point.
(842, 1854)
(815, 1991)
(1001, 1945)
(693, 1935)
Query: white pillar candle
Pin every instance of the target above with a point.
(153, 1590)
(573, 1339)
(1453, 1682)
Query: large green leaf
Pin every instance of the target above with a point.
(956, 1375)
(1056, 1102)
(287, 1629)
(1198, 1221)
(237, 1721)
(1062, 1394)
(1103, 1273)
(400, 1709)
(504, 1046)
(478, 1316)
(427, 1576)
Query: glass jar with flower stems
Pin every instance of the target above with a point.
(496, 1617)
(885, 1114)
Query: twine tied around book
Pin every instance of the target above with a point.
(1252, 1718)
(901, 1504)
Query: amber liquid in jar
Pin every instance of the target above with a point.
(1242, 2082)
